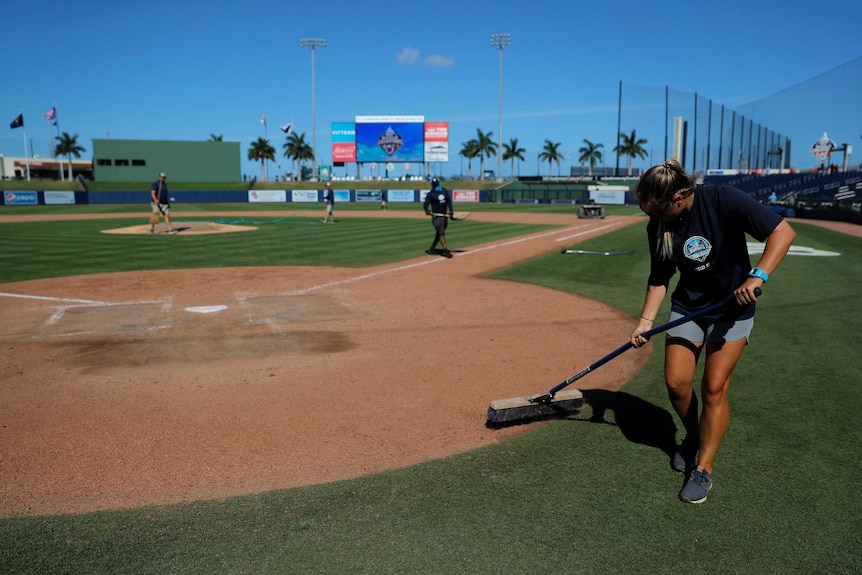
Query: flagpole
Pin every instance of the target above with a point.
(265, 137)
(51, 137)
(56, 122)
(26, 153)
(62, 163)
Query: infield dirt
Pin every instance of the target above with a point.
(129, 389)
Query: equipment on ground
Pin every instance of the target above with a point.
(505, 412)
(596, 253)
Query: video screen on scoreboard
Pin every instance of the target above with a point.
(390, 138)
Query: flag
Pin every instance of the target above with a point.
(263, 119)
(18, 122)
(287, 128)
(51, 114)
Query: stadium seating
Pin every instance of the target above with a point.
(806, 187)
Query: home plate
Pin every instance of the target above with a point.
(206, 308)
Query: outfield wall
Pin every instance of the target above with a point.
(34, 198)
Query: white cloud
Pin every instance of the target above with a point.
(408, 56)
(438, 61)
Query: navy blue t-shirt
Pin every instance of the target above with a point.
(709, 249)
(438, 201)
(161, 194)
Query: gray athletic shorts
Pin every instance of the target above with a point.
(161, 208)
(701, 331)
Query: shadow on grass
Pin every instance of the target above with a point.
(639, 421)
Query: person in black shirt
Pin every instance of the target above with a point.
(160, 203)
(438, 205)
(700, 231)
(329, 199)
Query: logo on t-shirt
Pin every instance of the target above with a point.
(697, 248)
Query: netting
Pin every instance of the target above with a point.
(699, 132)
(774, 132)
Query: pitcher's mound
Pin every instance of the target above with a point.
(183, 228)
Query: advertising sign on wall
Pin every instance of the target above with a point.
(368, 196)
(465, 195)
(303, 195)
(20, 198)
(59, 198)
(266, 196)
(400, 195)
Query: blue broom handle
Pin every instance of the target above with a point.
(647, 334)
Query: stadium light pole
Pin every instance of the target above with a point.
(500, 41)
(313, 44)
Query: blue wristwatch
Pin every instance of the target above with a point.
(758, 273)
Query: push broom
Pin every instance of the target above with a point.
(555, 402)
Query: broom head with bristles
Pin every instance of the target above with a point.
(517, 410)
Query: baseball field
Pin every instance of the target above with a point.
(262, 393)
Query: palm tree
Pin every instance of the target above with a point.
(590, 154)
(68, 146)
(298, 150)
(486, 147)
(551, 153)
(632, 146)
(511, 151)
(214, 138)
(261, 151)
(469, 149)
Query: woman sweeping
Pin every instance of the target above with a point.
(700, 231)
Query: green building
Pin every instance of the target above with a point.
(182, 161)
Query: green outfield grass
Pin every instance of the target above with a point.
(573, 496)
(45, 249)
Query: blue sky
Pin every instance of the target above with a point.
(186, 69)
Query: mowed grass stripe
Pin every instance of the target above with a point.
(48, 249)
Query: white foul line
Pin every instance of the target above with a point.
(434, 261)
(61, 299)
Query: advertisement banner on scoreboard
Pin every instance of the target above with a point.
(436, 141)
(343, 142)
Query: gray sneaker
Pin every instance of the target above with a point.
(696, 489)
(685, 456)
